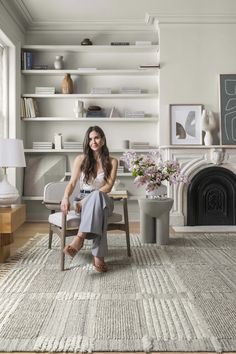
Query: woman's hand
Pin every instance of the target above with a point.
(65, 205)
(78, 207)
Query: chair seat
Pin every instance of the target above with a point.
(73, 219)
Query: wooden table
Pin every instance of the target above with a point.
(10, 220)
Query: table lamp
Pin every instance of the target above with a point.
(11, 155)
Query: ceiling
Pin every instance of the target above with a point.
(59, 14)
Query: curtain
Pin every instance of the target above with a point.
(2, 120)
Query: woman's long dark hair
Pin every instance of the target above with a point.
(88, 165)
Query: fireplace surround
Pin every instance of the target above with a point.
(209, 198)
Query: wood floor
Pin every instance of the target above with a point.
(26, 231)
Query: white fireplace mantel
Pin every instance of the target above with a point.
(192, 160)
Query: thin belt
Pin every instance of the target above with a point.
(85, 191)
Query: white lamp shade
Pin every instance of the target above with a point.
(12, 153)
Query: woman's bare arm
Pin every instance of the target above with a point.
(65, 204)
(107, 187)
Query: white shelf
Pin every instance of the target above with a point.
(93, 48)
(138, 72)
(115, 150)
(94, 119)
(90, 95)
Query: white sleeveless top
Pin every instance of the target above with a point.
(95, 183)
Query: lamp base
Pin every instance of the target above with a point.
(8, 193)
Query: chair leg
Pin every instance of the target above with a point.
(126, 219)
(50, 237)
(63, 241)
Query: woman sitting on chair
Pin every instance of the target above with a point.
(97, 173)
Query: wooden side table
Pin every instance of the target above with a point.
(10, 220)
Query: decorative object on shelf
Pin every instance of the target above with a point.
(217, 156)
(58, 63)
(67, 85)
(185, 124)
(57, 141)
(150, 171)
(227, 109)
(11, 155)
(86, 41)
(125, 144)
(95, 111)
(209, 126)
(79, 108)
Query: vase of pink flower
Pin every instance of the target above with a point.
(150, 171)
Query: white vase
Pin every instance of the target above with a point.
(159, 192)
(58, 63)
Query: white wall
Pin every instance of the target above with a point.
(192, 57)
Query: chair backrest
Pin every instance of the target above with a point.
(53, 194)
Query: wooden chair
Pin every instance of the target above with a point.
(67, 225)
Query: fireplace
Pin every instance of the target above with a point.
(211, 197)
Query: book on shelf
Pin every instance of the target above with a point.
(129, 90)
(149, 66)
(29, 108)
(143, 43)
(47, 90)
(40, 67)
(120, 43)
(26, 60)
(101, 90)
(134, 114)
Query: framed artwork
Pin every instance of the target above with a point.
(228, 109)
(185, 124)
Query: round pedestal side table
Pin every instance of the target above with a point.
(154, 220)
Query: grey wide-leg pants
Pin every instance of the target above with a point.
(94, 216)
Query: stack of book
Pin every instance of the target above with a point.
(72, 145)
(131, 90)
(42, 145)
(139, 145)
(120, 169)
(29, 108)
(47, 90)
(101, 90)
(134, 114)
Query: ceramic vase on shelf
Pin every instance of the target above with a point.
(79, 108)
(159, 192)
(67, 85)
(58, 63)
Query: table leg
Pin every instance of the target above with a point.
(5, 240)
(147, 228)
(162, 229)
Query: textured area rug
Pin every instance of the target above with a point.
(180, 297)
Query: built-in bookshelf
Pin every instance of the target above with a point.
(96, 66)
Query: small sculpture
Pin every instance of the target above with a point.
(86, 41)
(209, 125)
